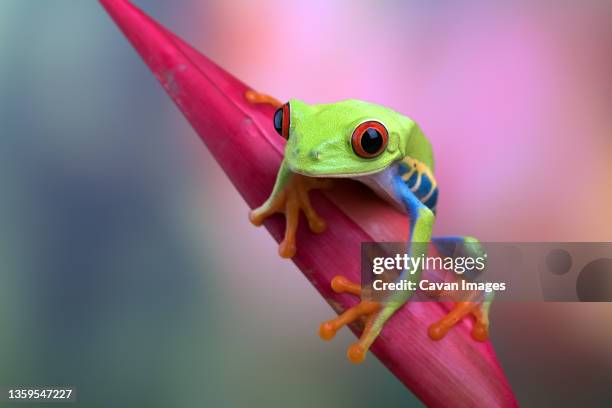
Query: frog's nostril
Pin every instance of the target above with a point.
(315, 155)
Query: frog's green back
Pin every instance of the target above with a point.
(418, 147)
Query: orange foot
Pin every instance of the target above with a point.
(292, 198)
(368, 309)
(257, 97)
(480, 331)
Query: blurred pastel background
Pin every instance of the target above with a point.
(129, 267)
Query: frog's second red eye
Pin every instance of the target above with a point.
(370, 139)
(281, 121)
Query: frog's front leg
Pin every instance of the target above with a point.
(289, 196)
(421, 225)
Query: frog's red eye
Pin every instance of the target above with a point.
(281, 121)
(370, 139)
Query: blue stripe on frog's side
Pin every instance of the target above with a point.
(420, 181)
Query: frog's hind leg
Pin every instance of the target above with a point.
(480, 331)
(478, 308)
(377, 314)
(258, 97)
(480, 312)
(365, 309)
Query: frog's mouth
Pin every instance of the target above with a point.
(324, 174)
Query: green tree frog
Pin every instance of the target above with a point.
(390, 154)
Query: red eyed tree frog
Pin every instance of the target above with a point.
(390, 154)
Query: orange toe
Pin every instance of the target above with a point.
(436, 332)
(356, 353)
(327, 330)
(317, 225)
(340, 284)
(480, 332)
(287, 249)
(254, 219)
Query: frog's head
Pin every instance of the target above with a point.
(344, 139)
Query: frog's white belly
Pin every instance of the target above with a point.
(382, 184)
(417, 177)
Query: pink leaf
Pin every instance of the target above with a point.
(456, 371)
